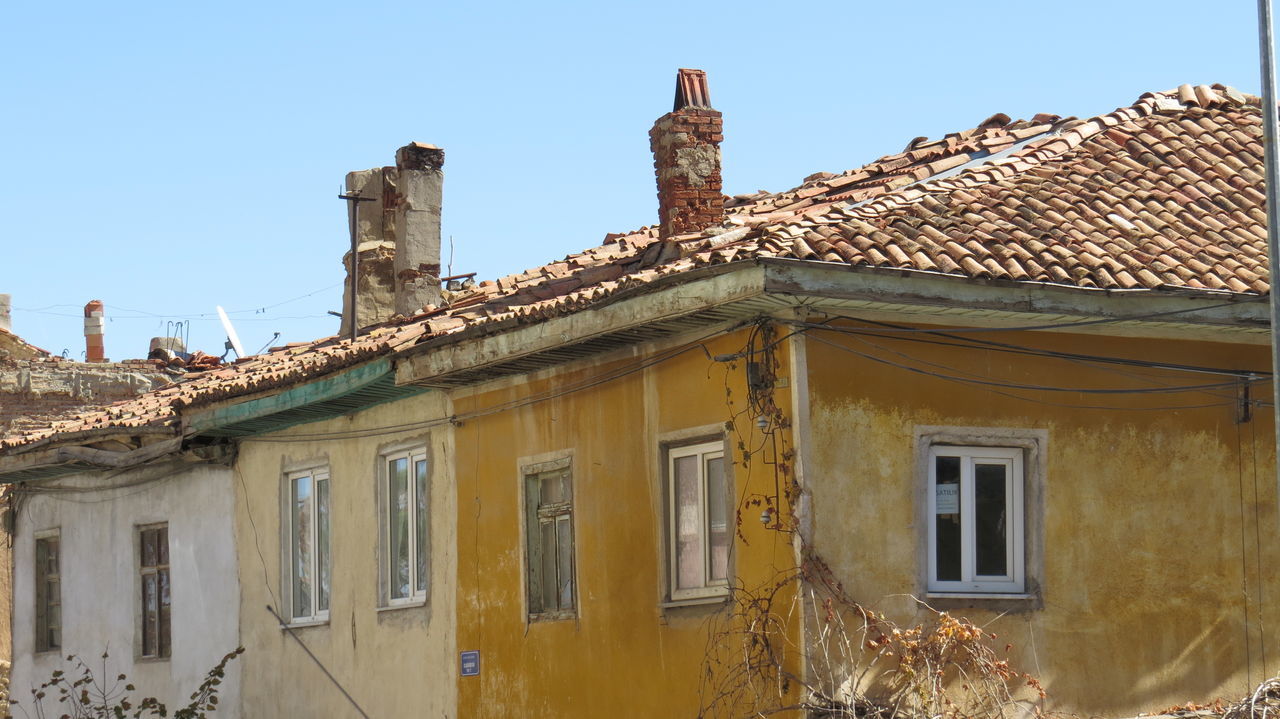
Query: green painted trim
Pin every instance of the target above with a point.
(275, 423)
(321, 390)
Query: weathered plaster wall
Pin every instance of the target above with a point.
(398, 662)
(100, 585)
(1149, 516)
(624, 654)
(6, 589)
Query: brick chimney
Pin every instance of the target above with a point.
(398, 237)
(686, 159)
(93, 324)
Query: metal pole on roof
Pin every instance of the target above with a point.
(1270, 136)
(353, 211)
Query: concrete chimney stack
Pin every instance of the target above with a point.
(397, 236)
(6, 313)
(686, 159)
(94, 351)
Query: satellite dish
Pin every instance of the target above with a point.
(233, 340)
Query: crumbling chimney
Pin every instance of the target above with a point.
(6, 316)
(93, 324)
(397, 237)
(686, 159)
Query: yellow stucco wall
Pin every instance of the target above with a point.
(624, 654)
(395, 663)
(1149, 518)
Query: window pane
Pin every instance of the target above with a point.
(322, 545)
(301, 541)
(398, 506)
(420, 494)
(947, 518)
(553, 488)
(990, 520)
(564, 552)
(549, 583)
(46, 594)
(150, 612)
(533, 544)
(54, 637)
(690, 558)
(718, 519)
(148, 547)
(566, 486)
(162, 545)
(163, 617)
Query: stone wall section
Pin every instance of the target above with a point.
(33, 390)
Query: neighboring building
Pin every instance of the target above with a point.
(36, 386)
(1012, 373)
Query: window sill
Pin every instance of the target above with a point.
(978, 595)
(552, 617)
(304, 623)
(405, 605)
(152, 660)
(696, 601)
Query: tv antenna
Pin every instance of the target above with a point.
(233, 340)
(353, 200)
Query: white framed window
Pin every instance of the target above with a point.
(976, 521)
(48, 579)
(699, 533)
(549, 545)
(307, 544)
(404, 523)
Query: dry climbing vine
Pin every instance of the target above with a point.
(851, 661)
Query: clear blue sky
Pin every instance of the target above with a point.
(169, 157)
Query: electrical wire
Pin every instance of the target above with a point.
(57, 490)
(1101, 362)
(203, 316)
(1040, 401)
(1034, 387)
(976, 343)
(1089, 323)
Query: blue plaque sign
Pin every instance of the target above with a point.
(471, 664)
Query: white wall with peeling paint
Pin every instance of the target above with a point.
(101, 587)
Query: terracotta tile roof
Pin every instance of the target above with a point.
(11, 345)
(1163, 195)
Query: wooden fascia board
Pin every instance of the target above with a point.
(77, 458)
(424, 362)
(1010, 304)
(319, 390)
(48, 457)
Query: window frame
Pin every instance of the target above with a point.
(1014, 582)
(418, 545)
(160, 568)
(709, 588)
(315, 614)
(536, 514)
(42, 599)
